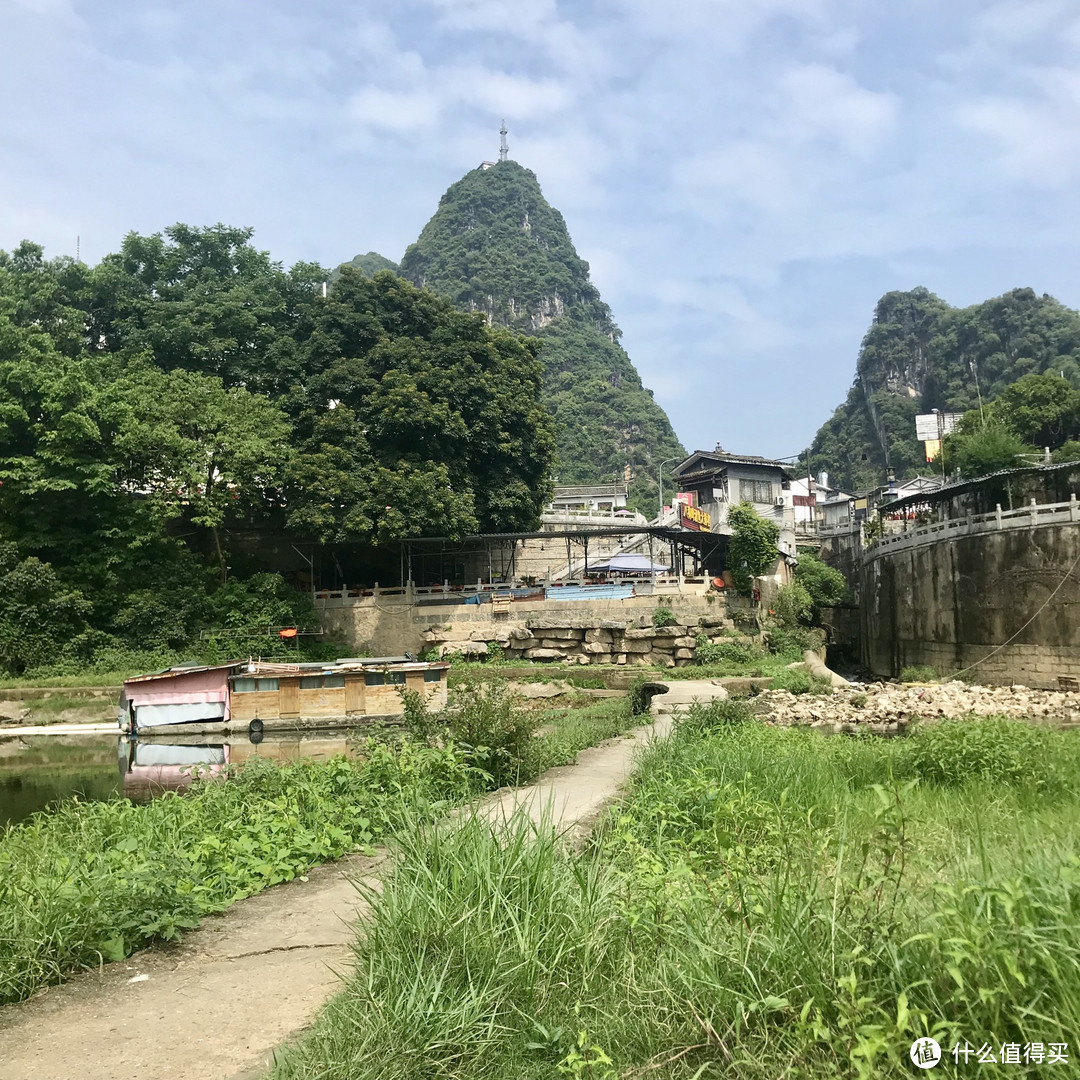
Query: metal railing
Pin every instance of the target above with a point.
(1034, 514)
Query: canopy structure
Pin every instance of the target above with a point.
(629, 564)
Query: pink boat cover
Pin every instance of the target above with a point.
(183, 688)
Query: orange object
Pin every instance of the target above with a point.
(290, 633)
(718, 583)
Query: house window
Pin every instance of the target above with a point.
(333, 682)
(322, 682)
(250, 686)
(433, 675)
(311, 682)
(383, 678)
(756, 491)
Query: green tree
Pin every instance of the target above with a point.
(979, 448)
(752, 548)
(1043, 410)
(824, 584)
(416, 419)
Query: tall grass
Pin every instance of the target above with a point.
(766, 903)
(91, 882)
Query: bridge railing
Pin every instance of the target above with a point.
(1024, 517)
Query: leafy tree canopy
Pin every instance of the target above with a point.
(753, 545)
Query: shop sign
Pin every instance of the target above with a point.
(690, 517)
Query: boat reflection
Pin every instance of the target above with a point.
(150, 766)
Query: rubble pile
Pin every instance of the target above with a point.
(890, 707)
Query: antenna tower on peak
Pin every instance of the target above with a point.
(503, 148)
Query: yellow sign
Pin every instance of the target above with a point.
(933, 448)
(690, 517)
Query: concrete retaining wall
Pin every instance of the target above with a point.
(953, 602)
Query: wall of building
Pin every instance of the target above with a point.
(952, 602)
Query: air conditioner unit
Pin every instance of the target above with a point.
(779, 501)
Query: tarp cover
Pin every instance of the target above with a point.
(181, 688)
(628, 564)
(188, 713)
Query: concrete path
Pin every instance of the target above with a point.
(216, 1005)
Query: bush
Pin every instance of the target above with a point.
(800, 681)
(794, 606)
(701, 719)
(639, 700)
(795, 640)
(733, 650)
(824, 584)
(486, 719)
(919, 673)
(663, 616)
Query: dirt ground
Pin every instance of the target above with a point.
(216, 1005)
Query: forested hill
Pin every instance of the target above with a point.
(921, 354)
(496, 246)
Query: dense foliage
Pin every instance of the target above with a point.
(496, 246)
(187, 388)
(921, 354)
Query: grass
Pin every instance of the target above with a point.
(97, 678)
(766, 903)
(91, 882)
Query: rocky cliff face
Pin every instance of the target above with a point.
(921, 354)
(495, 245)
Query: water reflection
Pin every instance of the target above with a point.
(150, 765)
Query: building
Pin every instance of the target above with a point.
(228, 697)
(605, 497)
(718, 480)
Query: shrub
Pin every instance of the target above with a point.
(794, 607)
(487, 720)
(733, 651)
(824, 584)
(800, 681)
(795, 639)
(919, 673)
(701, 719)
(639, 700)
(663, 616)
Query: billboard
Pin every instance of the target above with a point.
(930, 427)
(690, 517)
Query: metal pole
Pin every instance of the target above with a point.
(660, 485)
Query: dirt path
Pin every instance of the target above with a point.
(216, 1005)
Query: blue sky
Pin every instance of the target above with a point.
(745, 177)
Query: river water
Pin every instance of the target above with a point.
(38, 771)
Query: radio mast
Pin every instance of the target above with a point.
(503, 148)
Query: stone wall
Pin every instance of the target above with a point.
(954, 602)
(582, 638)
(388, 626)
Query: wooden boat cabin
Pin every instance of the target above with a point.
(232, 697)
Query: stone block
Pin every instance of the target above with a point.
(465, 648)
(638, 646)
(667, 644)
(669, 631)
(521, 633)
(487, 633)
(634, 634)
(566, 633)
(544, 654)
(557, 643)
(684, 654)
(712, 620)
(620, 659)
(597, 634)
(685, 643)
(612, 624)
(596, 647)
(601, 658)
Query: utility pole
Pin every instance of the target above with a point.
(503, 148)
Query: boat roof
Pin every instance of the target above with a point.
(275, 667)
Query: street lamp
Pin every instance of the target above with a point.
(660, 482)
